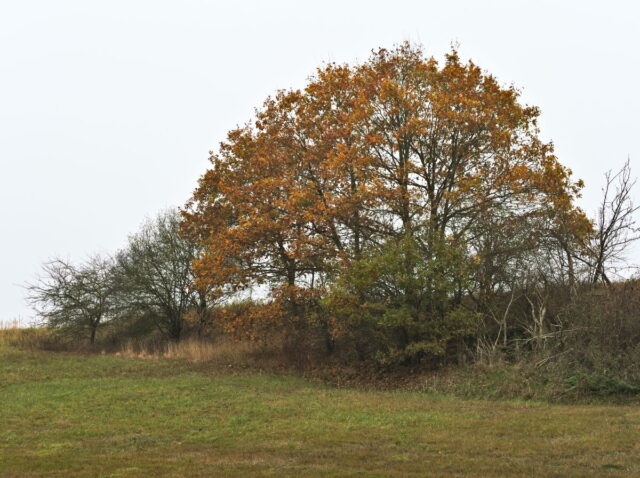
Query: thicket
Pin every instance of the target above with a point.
(398, 213)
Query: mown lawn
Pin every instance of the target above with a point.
(71, 415)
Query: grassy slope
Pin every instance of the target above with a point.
(71, 415)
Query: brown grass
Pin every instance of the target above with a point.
(12, 333)
(221, 352)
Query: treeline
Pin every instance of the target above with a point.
(395, 212)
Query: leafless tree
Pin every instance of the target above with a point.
(616, 227)
(155, 276)
(75, 298)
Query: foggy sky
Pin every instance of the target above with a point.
(108, 109)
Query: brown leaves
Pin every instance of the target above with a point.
(397, 145)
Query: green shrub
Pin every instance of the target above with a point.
(403, 300)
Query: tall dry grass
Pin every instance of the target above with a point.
(14, 333)
(10, 331)
(222, 352)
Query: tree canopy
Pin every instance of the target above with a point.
(400, 146)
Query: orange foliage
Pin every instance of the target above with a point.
(400, 144)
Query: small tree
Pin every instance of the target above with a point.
(74, 298)
(616, 226)
(155, 275)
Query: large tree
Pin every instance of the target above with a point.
(399, 146)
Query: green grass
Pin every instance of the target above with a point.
(73, 415)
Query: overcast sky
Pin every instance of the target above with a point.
(108, 109)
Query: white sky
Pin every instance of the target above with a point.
(108, 109)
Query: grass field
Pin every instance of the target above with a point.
(71, 415)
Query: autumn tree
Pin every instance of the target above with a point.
(397, 147)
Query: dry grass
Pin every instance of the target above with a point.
(223, 352)
(10, 332)
(13, 333)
